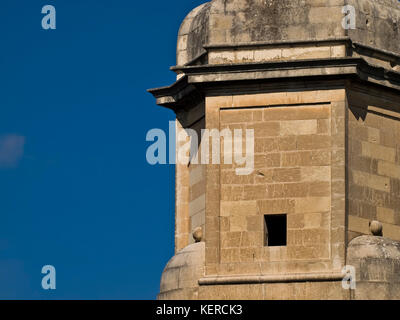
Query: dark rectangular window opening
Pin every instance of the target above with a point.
(275, 230)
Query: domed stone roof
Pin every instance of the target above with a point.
(377, 264)
(182, 273)
(370, 247)
(234, 22)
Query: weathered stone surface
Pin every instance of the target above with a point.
(377, 263)
(231, 22)
(180, 277)
(327, 150)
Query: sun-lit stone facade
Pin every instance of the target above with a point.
(324, 104)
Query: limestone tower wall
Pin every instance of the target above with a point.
(323, 102)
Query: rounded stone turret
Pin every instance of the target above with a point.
(233, 22)
(377, 264)
(180, 278)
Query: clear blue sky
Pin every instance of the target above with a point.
(76, 191)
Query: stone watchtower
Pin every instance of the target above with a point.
(324, 103)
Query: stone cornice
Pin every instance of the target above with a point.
(275, 278)
(196, 77)
(285, 43)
